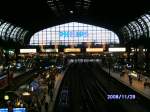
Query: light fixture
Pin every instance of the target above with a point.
(18, 103)
(26, 94)
(71, 11)
(6, 97)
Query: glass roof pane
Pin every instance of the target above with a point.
(143, 26)
(16, 31)
(12, 33)
(147, 19)
(1, 27)
(142, 23)
(9, 31)
(147, 15)
(2, 30)
(139, 28)
(19, 33)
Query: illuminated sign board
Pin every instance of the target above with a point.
(94, 49)
(9, 51)
(14, 109)
(133, 73)
(133, 49)
(51, 50)
(73, 34)
(26, 94)
(19, 109)
(6, 97)
(4, 110)
(27, 50)
(119, 49)
(72, 50)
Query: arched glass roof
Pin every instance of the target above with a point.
(146, 17)
(74, 33)
(138, 28)
(11, 32)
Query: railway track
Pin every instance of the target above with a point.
(88, 88)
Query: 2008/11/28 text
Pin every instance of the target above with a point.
(120, 97)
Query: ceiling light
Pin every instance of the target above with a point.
(26, 94)
(71, 11)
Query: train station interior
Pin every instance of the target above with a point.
(74, 56)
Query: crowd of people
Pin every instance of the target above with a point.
(138, 76)
(47, 82)
(41, 91)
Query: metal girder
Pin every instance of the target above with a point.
(121, 37)
(22, 37)
(27, 41)
(124, 33)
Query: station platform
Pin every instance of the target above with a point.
(137, 85)
(44, 88)
(16, 74)
(22, 84)
(17, 79)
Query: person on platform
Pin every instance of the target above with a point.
(46, 102)
(130, 79)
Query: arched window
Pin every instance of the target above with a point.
(74, 33)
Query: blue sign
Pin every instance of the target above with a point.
(4, 110)
(14, 110)
(19, 109)
(73, 34)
